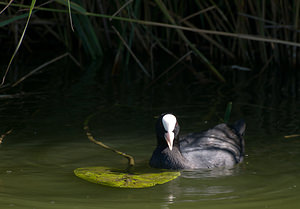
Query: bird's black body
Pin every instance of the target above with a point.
(221, 146)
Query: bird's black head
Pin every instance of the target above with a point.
(167, 130)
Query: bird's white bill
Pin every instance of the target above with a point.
(169, 136)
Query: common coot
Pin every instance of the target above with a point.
(221, 146)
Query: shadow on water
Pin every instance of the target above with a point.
(48, 143)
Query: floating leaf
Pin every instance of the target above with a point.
(118, 178)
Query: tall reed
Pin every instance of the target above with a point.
(252, 34)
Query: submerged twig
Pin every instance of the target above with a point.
(4, 135)
(91, 138)
(292, 136)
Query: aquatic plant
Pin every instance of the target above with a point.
(119, 178)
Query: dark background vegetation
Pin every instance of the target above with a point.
(253, 43)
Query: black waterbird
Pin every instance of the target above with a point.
(220, 146)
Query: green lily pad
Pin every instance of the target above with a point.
(118, 178)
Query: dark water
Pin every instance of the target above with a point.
(48, 143)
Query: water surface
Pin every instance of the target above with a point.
(48, 143)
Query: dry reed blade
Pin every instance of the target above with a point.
(296, 34)
(170, 68)
(185, 39)
(19, 43)
(70, 15)
(211, 40)
(9, 3)
(43, 66)
(197, 13)
(131, 52)
(121, 8)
